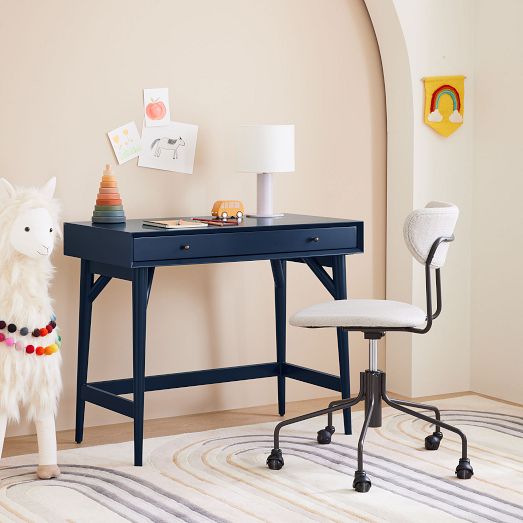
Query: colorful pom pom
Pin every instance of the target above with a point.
(24, 331)
(51, 349)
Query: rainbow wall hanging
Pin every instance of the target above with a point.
(444, 103)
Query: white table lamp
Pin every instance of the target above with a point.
(266, 149)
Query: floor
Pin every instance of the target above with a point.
(221, 474)
(121, 432)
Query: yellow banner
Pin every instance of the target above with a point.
(444, 97)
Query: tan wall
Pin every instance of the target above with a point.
(73, 70)
(477, 342)
(497, 284)
(419, 39)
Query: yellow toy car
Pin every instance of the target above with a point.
(228, 209)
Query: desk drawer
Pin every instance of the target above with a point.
(210, 245)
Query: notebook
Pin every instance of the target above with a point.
(174, 224)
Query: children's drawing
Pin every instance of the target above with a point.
(169, 148)
(169, 144)
(156, 107)
(125, 142)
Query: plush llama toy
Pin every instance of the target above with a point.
(29, 342)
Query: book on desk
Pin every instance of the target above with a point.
(174, 224)
(194, 223)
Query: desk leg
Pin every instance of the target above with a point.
(279, 272)
(140, 294)
(340, 282)
(84, 335)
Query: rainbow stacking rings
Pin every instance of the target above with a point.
(108, 208)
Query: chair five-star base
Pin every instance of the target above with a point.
(373, 392)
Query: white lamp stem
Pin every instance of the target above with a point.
(264, 195)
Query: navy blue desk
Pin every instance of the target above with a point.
(131, 252)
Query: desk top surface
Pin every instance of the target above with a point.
(136, 228)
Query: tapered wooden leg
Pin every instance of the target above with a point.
(279, 272)
(340, 282)
(140, 294)
(84, 336)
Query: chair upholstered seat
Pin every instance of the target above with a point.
(360, 313)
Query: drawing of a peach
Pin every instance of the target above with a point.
(155, 110)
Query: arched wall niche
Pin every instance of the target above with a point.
(418, 39)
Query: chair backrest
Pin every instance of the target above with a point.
(424, 226)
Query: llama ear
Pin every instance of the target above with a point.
(6, 189)
(48, 189)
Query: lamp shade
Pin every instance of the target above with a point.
(266, 148)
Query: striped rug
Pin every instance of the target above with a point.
(221, 475)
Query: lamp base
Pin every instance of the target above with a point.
(264, 197)
(279, 215)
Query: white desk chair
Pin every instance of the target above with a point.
(427, 233)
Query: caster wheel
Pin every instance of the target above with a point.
(464, 469)
(325, 435)
(275, 460)
(361, 482)
(433, 440)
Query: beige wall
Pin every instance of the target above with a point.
(73, 70)
(497, 284)
(418, 39)
(476, 343)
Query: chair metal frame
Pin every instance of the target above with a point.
(373, 391)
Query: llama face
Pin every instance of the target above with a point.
(33, 233)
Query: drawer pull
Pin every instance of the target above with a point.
(186, 247)
(315, 239)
